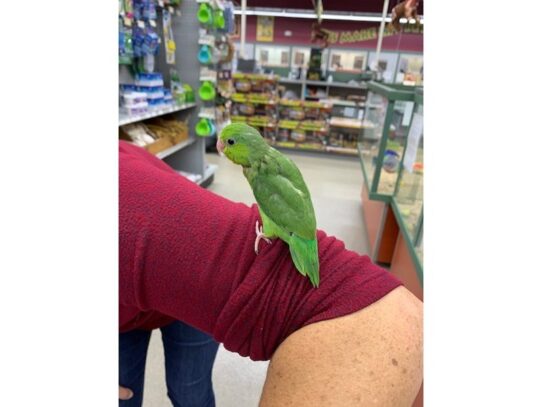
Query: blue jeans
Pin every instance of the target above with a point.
(189, 356)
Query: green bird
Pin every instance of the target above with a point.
(283, 198)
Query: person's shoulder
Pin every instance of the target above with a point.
(399, 313)
(371, 354)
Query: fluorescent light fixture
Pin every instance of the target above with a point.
(310, 15)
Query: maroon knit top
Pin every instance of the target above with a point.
(187, 254)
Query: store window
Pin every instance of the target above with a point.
(273, 56)
(300, 57)
(249, 50)
(347, 61)
(410, 70)
(387, 63)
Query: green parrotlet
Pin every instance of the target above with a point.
(283, 198)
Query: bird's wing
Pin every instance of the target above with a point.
(286, 205)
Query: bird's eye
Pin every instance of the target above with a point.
(231, 141)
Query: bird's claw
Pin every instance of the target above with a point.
(259, 235)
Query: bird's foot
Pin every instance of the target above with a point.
(259, 235)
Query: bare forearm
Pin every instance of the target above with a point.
(370, 358)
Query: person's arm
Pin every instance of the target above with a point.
(188, 254)
(372, 357)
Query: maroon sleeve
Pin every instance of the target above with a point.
(186, 253)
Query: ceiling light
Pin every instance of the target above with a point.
(311, 15)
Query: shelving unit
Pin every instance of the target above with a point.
(208, 175)
(214, 71)
(189, 155)
(152, 114)
(173, 149)
(297, 132)
(322, 83)
(288, 146)
(338, 87)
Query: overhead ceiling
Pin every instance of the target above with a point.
(359, 6)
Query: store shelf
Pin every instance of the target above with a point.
(342, 102)
(208, 175)
(342, 150)
(323, 83)
(291, 81)
(173, 149)
(155, 113)
(346, 123)
(352, 152)
(347, 85)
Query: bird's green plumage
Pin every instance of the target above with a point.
(283, 198)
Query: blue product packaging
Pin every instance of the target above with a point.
(150, 43)
(138, 41)
(125, 88)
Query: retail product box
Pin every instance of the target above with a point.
(176, 131)
(159, 145)
(143, 136)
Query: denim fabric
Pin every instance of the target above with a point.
(189, 356)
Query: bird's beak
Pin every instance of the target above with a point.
(220, 146)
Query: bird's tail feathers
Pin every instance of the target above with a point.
(305, 257)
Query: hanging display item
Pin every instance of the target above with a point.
(405, 9)
(128, 8)
(205, 14)
(126, 51)
(215, 54)
(218, 19)
(319, 35)
(205, 54)
(168, 37)
(207, 91)
(205, 128)
(229, 17)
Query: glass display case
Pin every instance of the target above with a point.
(382, 137)
(407, 201)
(419, 245)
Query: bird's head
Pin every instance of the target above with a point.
(241, 143)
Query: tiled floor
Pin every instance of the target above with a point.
(335, 185)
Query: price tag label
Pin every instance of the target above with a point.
(152, 23)
(127, 22)
(140, 24)
(161, 3)
(171, 9)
